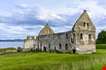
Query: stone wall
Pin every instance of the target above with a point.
(58, 41)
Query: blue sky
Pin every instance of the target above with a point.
(19, 18)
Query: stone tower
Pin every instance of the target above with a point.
(46, 30)
(84, 32)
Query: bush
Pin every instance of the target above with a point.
(19, 49)
(33, 49)
(101, 38)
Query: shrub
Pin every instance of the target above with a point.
(33, 49)
(19, 49)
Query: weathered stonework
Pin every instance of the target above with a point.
(81, 39)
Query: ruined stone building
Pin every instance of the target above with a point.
(81, 38)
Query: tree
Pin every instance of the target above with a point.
(101, 38)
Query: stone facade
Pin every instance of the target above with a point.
(80, 39)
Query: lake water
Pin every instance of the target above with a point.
(11, 44)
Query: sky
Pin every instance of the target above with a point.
(19, 18)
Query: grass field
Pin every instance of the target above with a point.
(101, 46)
(53, 61)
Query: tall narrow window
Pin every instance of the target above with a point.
(87, 25)
(84, 24)
(59, 46)
(89, 36)
(55, 48)
(73, 35)
(72, 41)
(81, 36)
(66, 46)
(49, 45)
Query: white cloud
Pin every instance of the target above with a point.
(11, 29)
(46, 14)
(96, 10)
(7, 31)
(23, 10)
(5, 13)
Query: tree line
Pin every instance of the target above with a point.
(101, 39)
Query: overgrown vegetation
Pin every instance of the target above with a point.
(7, 50)
(53, 61)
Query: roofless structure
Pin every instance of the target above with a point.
(81, 39)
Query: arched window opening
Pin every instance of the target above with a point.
(89, 36)
(55, 48)
(73, 35)
(59, 46)
(44, 48)
(72, 41)
(84, 24)
(66, 46)
(81, 36)
(49, 45)
(87, 24)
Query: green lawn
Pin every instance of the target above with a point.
(53, 61)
